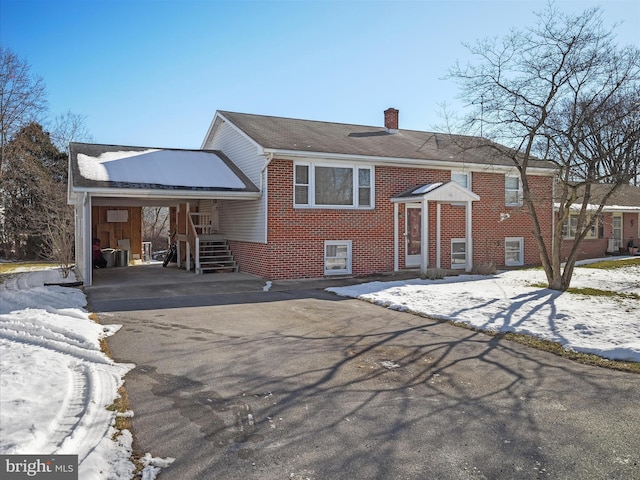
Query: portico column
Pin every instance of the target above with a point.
(469, 237)
(424, 250)
(396, 261)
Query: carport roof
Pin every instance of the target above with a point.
(104, 167)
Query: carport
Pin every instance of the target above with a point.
(118, 180)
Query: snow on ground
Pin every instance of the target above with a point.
(507, 302)
(55, 382)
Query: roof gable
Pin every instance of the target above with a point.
(439, 192)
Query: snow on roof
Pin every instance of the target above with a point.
(161, 167)
(426, 188)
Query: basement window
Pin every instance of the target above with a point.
(514, 251)
(337, 257)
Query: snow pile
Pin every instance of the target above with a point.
(55, 382)
(507, 302)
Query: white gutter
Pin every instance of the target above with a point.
(144, 193)
(398, 161)
(591, 207)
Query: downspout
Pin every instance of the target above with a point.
(263, 183)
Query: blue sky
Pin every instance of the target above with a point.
(153, 72)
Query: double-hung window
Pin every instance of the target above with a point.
(512, 190)
(333, 186)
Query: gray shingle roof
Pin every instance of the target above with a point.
(624, 196)
(280, 133)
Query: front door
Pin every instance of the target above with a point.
(413, 235)
(617, 230)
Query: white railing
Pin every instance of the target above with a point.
(204, 223)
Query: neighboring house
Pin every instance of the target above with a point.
(310, 199)
(615, 231)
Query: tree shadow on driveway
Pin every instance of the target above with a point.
(307, 387)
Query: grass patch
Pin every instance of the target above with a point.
(8, 268)
(593, 292)
(559, 350)
(121, 405)
(612, 264)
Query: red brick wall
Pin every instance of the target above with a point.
(296, 236)
(490, 230)
(596, 248)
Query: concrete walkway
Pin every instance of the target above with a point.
(296, 383)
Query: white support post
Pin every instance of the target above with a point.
(438, 216)
(87, 241)
(198, 255)
(396, 265)
(469, 237)
(424, 240)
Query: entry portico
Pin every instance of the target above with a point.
(440, 193)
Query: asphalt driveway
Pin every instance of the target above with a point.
(296, 383)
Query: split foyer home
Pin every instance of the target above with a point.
(288, 198)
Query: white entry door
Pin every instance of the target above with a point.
(413, 235)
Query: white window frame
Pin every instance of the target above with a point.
(462, 173)
(569, 227)
(348, 258)
(520, 241)
(456, 266)
(355, 201)
(507, 201)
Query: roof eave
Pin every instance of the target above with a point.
(398, 161)
(147, 193)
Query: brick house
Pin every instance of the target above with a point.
(616, 230)
(316, 199)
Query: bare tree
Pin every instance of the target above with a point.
(22, 97)
(57, 224)
(155, 226)
(69, 127)
(561, 91)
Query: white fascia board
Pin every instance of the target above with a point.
(259, 148)
(206, 136)
(143, 193)
(591, 207)
(402, 162)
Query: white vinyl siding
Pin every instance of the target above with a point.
(242, 220)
